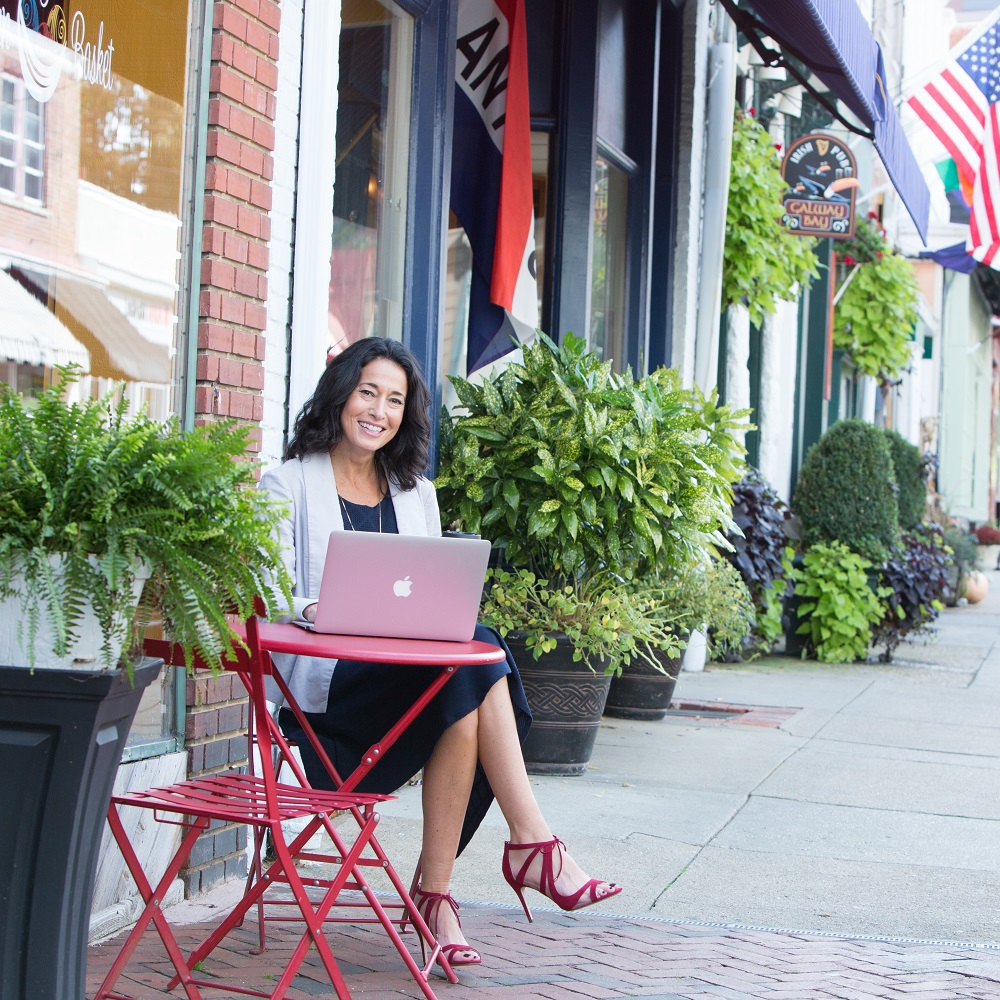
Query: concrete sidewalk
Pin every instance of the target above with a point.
(838, 836)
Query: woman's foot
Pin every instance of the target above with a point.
(548, 868)
(440, 913)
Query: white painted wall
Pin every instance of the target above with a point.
(692, 109)
(737, 358)
(776, 418)
(282, 210)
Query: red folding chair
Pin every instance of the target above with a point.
(264, 804)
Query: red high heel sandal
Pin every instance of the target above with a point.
(429, 906)
(586, 895)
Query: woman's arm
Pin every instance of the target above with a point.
(280, 489)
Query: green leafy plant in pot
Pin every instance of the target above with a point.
(709, 597)
(564, 464)
(94, 506)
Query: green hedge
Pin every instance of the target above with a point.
(846, 491)
(912, 496)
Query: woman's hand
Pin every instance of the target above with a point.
(309, 612)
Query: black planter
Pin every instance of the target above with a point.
(642, 691)
(61, 739)
(566, 701)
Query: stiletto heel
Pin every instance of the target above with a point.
(428, 904)
(586, 895)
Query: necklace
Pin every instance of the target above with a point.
(347, 514)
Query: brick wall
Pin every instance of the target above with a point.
(216, 741)
(233, 314)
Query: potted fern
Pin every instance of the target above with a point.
(105, 519)
(586, 480)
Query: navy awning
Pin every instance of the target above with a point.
(833, 39)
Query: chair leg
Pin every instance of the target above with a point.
(152, 910)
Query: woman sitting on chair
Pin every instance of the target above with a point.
(355, 463)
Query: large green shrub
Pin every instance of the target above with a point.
(572, 469)
(912, 496)
(846, 491)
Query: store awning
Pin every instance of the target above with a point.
(833, 39)
(117, 349)
(30, 334)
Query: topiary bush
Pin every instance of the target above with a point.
(846, 491)
(908, 465)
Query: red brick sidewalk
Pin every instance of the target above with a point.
(563, 957)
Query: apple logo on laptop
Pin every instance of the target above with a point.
(401, 588)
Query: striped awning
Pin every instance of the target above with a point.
(30, 334)
(117, 349)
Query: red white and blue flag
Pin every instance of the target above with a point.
(960, 107)
(491, 175)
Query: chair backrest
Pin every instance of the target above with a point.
(252, 663)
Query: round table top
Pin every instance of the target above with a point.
(288, 638)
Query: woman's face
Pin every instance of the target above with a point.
(371, 416)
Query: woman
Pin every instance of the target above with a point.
(355, 462)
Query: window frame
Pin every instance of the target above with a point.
(21, 143)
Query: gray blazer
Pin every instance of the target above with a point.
(308, 488)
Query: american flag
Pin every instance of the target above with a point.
(960, 107)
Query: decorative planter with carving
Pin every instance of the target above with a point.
(566, 700)
(642, 691)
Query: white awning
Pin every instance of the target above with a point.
(30, 334)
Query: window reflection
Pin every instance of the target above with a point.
(607, 281)
(458, 281)
(22, 142)
(369, 199)
(91, 167)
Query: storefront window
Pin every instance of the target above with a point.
(607, 288)
(370, 187)
(93, 114)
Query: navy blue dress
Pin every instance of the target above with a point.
(367, 699)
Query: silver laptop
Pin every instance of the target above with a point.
(401, 586)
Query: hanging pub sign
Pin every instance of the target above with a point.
(821, 177)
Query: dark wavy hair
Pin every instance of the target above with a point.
(317, 427)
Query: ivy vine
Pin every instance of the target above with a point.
(763, 262)
(877, 312)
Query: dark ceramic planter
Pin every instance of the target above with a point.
(61, 738)
(566, 700)
(643, 692)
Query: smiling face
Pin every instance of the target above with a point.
(371, 416)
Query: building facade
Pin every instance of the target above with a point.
(209, 199)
